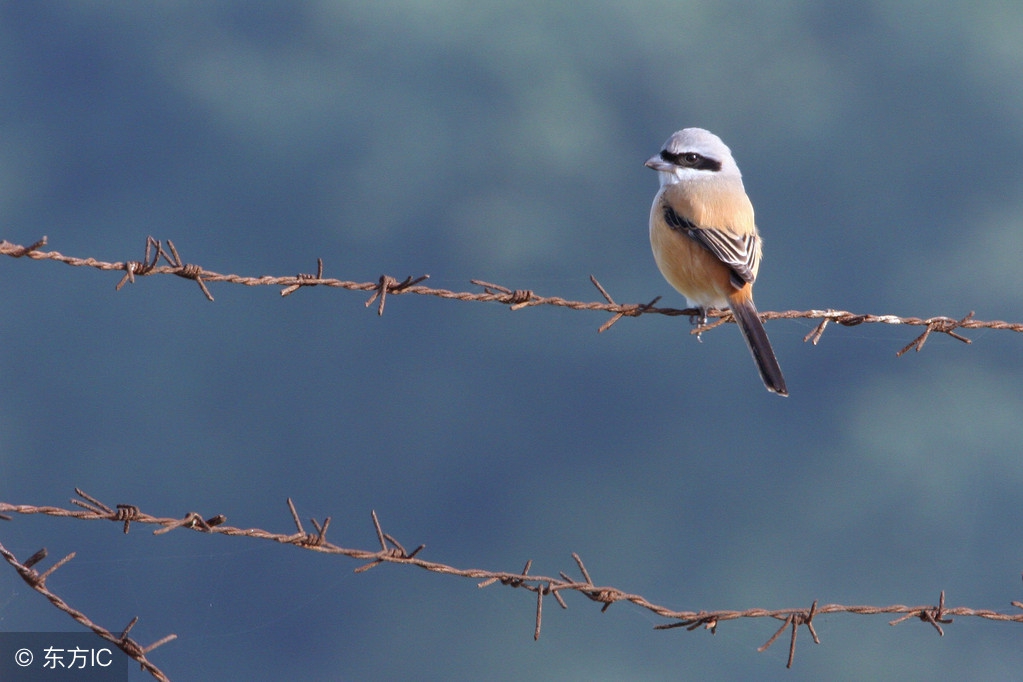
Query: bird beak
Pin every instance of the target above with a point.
(659, 164)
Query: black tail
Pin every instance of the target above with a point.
(753, 331)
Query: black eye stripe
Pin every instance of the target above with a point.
(691, 160)
(670, 158)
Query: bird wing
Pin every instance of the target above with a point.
(738, 251)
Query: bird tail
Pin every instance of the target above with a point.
(753, 331)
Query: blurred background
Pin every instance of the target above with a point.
(882, 146)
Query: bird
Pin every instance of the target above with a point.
(705, 240)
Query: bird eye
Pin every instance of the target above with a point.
(691, 158)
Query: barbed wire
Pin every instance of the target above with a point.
(165, 252)
(393, 552)
(37, 581)
(164, 258)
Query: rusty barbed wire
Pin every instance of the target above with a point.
(516, 299)
(37, 581)
(392, 551)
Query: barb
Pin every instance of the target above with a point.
(142, 267)
(180, 268)
(307, 280)
(392, 552)
(933, 615)
(515, 299)
(793, 621)
(37, 581)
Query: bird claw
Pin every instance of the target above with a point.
(699, 320)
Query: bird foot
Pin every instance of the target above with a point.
(699, 321)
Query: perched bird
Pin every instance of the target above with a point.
(704, 239)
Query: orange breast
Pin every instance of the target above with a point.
(687, 266)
